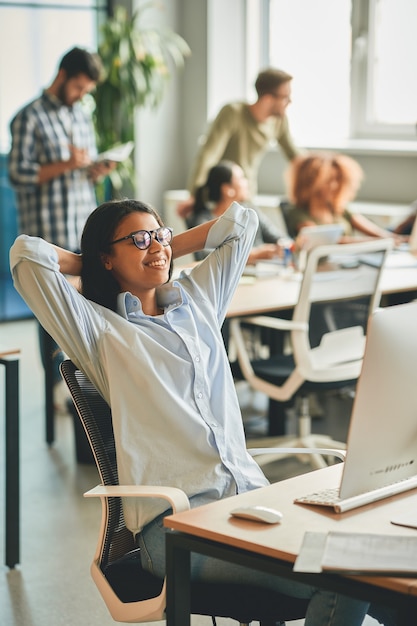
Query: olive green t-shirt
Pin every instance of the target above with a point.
(235, 135)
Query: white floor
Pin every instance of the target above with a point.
(52, 585)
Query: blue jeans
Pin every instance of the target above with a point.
(325, 608)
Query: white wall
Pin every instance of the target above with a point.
(216, 71)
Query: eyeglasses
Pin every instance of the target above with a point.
(143, 238)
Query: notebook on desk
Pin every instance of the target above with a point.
(381, 455)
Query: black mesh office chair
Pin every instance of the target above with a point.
(130, 593)
(285, 207)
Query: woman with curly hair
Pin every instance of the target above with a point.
(320, 187)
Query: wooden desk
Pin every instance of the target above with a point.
(396, 280)
(266, 294)
(10, 360)
(211, 531)
(275, 293)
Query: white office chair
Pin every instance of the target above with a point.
(338, 292)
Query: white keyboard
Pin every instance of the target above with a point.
(330, 497)
(325, 497)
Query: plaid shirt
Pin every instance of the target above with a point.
(42, 133)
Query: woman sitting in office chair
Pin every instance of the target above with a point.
(154, 351)
(226, 182)
(319, 187)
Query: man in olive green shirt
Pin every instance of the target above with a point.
(242, 132)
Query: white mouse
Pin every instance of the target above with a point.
(258, 513)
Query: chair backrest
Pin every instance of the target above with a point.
(339, 291)
(284, 207)
(96, 419)
(95, 416)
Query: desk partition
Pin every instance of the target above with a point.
(12, 305)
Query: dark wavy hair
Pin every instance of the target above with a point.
(97, 283)
(211, 191)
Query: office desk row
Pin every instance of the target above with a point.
(210, 530)
(279, 292)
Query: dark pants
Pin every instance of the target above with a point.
(50, 351)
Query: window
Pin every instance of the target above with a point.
(354, 64)
(385, 50)
(33, 38)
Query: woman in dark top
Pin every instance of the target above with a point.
(226, 182)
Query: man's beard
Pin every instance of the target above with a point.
(62, 94)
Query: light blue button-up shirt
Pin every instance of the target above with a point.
(176, 416)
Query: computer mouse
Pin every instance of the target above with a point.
(258, 513)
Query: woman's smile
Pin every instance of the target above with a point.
(159, 263)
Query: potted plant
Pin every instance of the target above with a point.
(136, 61)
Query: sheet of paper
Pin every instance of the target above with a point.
(117, 153)
(357, 553)
(370, 553)
(311, 553)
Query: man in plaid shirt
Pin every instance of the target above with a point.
(52, 162)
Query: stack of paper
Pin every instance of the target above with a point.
(358, 553)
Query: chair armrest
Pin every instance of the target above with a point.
(150, 609)
(274, 322)
(176, 497)
(339, 454)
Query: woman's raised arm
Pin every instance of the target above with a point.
(191, 240)
(69, 262)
